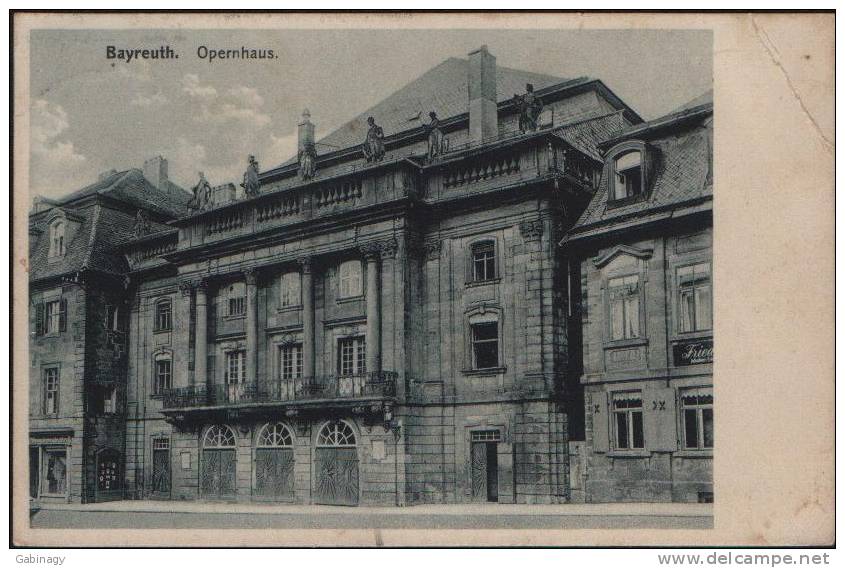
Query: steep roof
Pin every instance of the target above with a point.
(683, 170)
(132, 187)
(442, 89)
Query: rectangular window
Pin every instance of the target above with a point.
(695, 297)
(109, 400)
(351, 280)
(52, 316)
(351, 356)
(237, 306)
(290, 361)
(51, 391)
(235, 299)
(162, 378)
(291, 290)
(55, 474)
(624, 296)
(163, 315)
(628, 421)
(111, 318)
(697, 411)
(629, 177)
(235, 367)
(485, 345)
(483, 261)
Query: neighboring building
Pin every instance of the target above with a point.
(78, 327)
(646, 306)
(386, 318)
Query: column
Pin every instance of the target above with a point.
(201, 347)
(181, 341)
(251, 277)
(308, 348)
(373, 338)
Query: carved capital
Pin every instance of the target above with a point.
(371, 251)
(306, 263)
(201, 285)
(432, 249)
(531, 230)
(251, 276)
(388, 248)
(186, 287)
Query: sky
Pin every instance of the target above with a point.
(90, 114)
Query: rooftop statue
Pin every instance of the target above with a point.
(307, 161)
(251, 183)
(201, 199)
(374, 143)
(435, 136)
(142, 224)
(530, 106)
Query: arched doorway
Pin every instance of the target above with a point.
(219, 458)
(336, 465)
(274, 460)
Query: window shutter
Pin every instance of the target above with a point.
(63, 314)
(600, 409)
(39, 318)
(661, 423)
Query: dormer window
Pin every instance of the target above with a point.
(57, 239)
(628, 175)
(628, 168)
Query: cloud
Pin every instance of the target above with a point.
(154, 100)
(54, 163)
(191, 85)
(281, 148)
(246, 96)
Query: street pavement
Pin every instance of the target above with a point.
(199, 515)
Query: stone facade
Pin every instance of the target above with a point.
(393, 332)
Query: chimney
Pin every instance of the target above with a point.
(305, 132)
(155, 170)
(481, 83)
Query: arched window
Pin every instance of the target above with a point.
(351, 281)
(628, 174)
(57, 238)
(163, 315)
(276, 435)
(337, 434)
(219, 437)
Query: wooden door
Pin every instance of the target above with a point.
(217, 475)
(274, 474)
(161, 473)
(336, 480)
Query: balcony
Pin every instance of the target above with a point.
(310, 391)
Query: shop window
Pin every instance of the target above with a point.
(55, 472)
(697, 413)
(290, 361)
(351, 280)
(351, 356)
(483, 261)
(291, 290)
(236, 300)
(163, 375)
(485, 345)
(694, 293)
(163, 315)
(51, 391)
(624, 296)
(628, 421)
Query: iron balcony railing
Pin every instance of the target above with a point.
(377, 384)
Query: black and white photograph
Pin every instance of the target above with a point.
(444, 278)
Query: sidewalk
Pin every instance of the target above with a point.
(206, 508)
